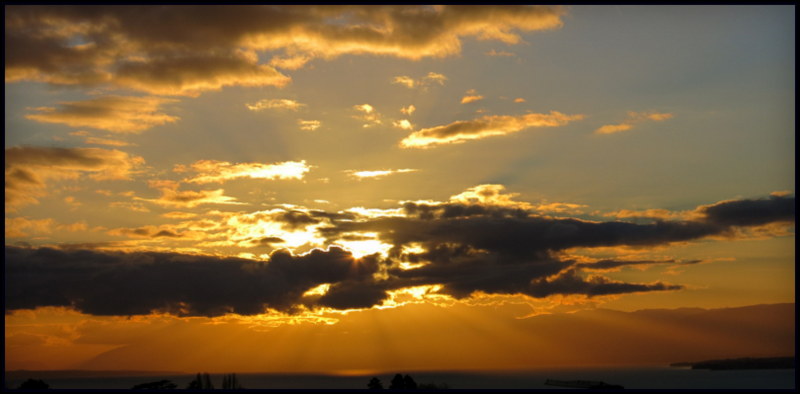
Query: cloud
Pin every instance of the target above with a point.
(117, 114)
(658, 214)
(772, 209)
(569, 282)
(285, 104)
(19, 227)
(484, 242)
(185, 50)
(172, 197)
(487, 126)
(213, 171)
(431, 78)
(377, 173)
(612, 265)
(111, 283)
(519, 100)
(408, 110)
(368, 115)
(27, 169)
(633, 119)
(436, 78)
(479, 243)
(404, 124)
(405, 81)
(471, 97)
(613, 128)
(192, 75)
(309, 125)
(494, 52)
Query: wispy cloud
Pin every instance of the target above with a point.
(495, 53)
(285, 104)
(309, 125)
(430, 79)
(471, 97)
(633, 119)
(368, 115)
(377, 173)
(117, 114)
(212, 171)
(172, 197)
(487, 126)
(408, 110)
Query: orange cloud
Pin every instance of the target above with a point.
(377, 173)
(117, 114)
(489, 194)
(404, 124)
(29, 168)
(211, 171)
(487, 126)
(633, 118)
(192, 75)
(22, 227)
(309, 125)
(286, 104)
(659, 214)
(613, 128)
(428, 80)
(172, 197)
(162, 58)
(471, 97)
(408, 110)
(368, 115)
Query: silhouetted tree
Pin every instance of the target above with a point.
(201, 382)
(409, 383)
(229, 382)
(33, 384)
(397, 383)
(159, 385)
(375, 384)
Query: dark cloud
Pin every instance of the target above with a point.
(188, 49)
(751, 212)
(604, 265)
(293, 220)
(138, 283)
(464, 249)
(569, 282)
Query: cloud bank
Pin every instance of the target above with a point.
(465, 246)
(186, 50)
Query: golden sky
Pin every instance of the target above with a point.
(277, 178)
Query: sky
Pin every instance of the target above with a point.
(352, 188)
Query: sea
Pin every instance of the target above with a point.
(669, 378)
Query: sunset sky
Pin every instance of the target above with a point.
(357, 188)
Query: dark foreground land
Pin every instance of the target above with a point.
(741, 363)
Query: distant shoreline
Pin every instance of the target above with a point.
(741, 363)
